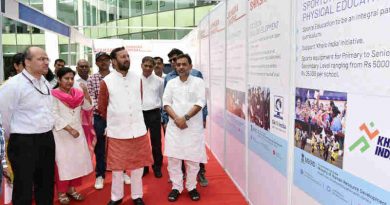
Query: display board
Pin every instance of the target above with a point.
(268, 100)
(217, 82)
(205, 65)
(341, 131)
(236, 108)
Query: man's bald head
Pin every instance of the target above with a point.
(83, 68)
(36, 60)
(82, 61)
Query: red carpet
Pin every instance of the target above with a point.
(220, 191)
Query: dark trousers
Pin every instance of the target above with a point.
(100, 148)
(32, 159)
(152, 120)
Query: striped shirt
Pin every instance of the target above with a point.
(93, 85)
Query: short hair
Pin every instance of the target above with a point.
(115, 51)
(18, 59)
(174, 51)
(59, 60)
(184, 56)
(27, 53)
(148, 58)
(159, 58)
(63, 71)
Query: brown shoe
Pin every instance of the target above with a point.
(63, 198)
(76, 196)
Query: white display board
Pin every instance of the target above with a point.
(268, 100)
(341, 129)
(205, 65)
(236, 107)
(217, 82)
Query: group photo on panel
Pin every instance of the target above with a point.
(59, 125)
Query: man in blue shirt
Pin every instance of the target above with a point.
(173, 74)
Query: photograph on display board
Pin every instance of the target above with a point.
(320, 123)
(235, 100)
(259, 106)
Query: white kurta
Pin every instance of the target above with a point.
(187, 144)
(72, 155)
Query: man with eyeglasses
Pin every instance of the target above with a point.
(103, 62)
(153, 88)
(26, 108)
(172, 55)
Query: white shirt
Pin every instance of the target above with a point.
(162, 76)
(77, 81)
(24, 109)
(189, 143)
(153, 89)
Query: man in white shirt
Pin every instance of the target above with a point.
(183, 99)
(153, 89)
(83, 69)
(26, 108)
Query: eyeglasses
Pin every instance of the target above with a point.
(172, 59)
(83, 66)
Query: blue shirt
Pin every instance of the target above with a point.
(173, 74)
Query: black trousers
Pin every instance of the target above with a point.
(100, 148)
(152, 120)
(32, 159)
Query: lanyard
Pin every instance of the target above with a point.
(48, 90)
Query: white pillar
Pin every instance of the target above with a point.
(51, 39)
(80, 8)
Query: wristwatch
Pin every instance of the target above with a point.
(187, 117)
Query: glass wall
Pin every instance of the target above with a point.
(16, 38)
(124, 18)
(38, 4)
(67, 12)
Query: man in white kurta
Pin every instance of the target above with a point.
(183, 98)
(128, 147)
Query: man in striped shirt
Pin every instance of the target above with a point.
(103, 62)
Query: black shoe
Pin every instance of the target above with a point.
(111, 202)
(202, 180)
(174, 195)
(157, 173)
(146, 171)
(194, 195)
(138, 201)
